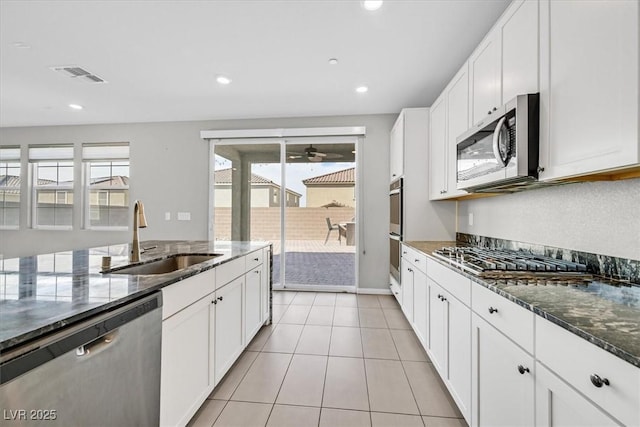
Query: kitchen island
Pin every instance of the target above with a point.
(43, 293)
(56, 310)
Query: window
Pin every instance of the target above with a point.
(107, 183)
(52, 183)
(10, 179)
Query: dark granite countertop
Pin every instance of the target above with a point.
(604, 312)
(40, 294)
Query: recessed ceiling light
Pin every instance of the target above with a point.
(223, 80)
(372, 4)
(333, 61)
(76, 106)
(362, 89)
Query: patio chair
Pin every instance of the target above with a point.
(332, 227)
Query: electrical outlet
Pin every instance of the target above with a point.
(184, 216)
(167, 216)
(470, 218)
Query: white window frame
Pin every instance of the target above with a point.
(120, 155)
(8, 156)
(36, 158)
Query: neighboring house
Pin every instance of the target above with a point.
(264, 193)
(332, 189)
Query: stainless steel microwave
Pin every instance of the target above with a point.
(500, 154)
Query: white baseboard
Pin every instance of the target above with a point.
(374, 291)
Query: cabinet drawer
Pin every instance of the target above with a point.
(508, 317)
(454, 283)
(575, 360)
(415, 257)
(254, 259)
(230, 270)
(185, 292)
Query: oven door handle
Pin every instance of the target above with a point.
(396, 191)
(394, 236)
(496, 142)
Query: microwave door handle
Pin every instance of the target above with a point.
(496, 142)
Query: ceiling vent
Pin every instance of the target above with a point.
(79, 74)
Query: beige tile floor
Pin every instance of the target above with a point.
(332, 360)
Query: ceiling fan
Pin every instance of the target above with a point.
(313, 155)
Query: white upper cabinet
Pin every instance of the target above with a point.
(457, 123)
(506, 63)
(437, 149)
(519, 39)
(588, 86)
(484, 71)
(396, 149)
(449, 119)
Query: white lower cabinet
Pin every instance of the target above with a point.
(560, 405)
(502, 379)
(208, 319)
(185, 342)
(252, 303)
(450, 343)
(407, 274)
(228, 334)
(421, 306)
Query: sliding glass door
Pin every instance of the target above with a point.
(300, 194)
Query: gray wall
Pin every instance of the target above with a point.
(169, 173)
(597, 217)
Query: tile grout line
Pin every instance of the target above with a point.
(364, 365)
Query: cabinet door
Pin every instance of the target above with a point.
(438, 312)
(252, 300)
(588, 87)
(519, 31)
(484, 72)
(396, 149)
(228, 324)
(420, 306)
(265, 291)
(185, 343)
(457, 123)
(501, 395)
(408, 277)
(459, 353)
(558, 405)
(437, 151)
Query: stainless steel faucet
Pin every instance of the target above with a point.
(139, 221)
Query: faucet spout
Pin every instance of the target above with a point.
(139, 221)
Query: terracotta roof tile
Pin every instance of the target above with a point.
(346, 176)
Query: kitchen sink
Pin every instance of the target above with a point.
(163, 266)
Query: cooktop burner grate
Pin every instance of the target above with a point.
(494, 262)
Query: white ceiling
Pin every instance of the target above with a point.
(161, 57)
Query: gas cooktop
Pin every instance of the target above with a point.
(495, 263)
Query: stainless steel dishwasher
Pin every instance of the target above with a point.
(102, 372)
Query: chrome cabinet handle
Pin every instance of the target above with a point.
(492, 310)
(522, 369)
(489, 112)
(597, 381)
(256, 271)
(219, 298)
(494, 108)
(416, 260)
(255, 259)
(214, 301)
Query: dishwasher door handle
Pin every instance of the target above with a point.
(97, 344)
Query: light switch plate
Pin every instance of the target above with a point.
(184, 216)
(470, 218)
(167, 216)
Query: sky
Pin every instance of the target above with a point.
(296, 172)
